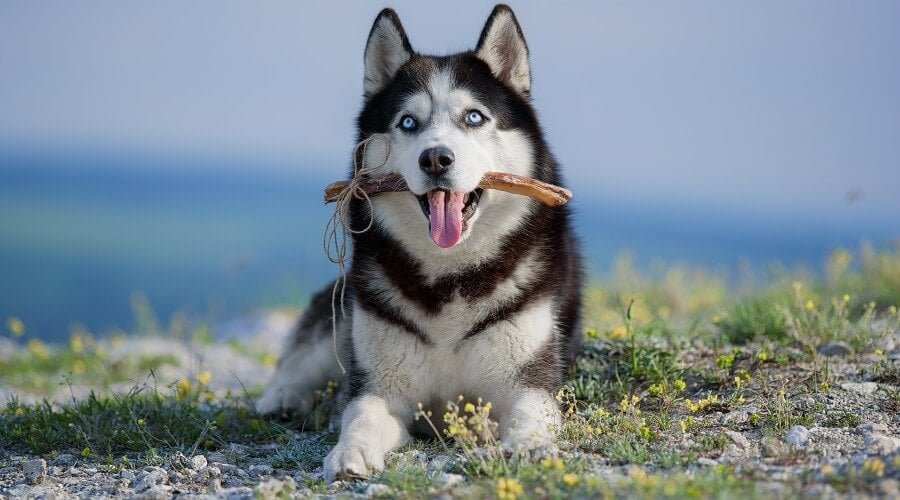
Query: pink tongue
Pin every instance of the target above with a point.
(446, 217)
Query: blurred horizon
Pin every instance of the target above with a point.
(180, 149)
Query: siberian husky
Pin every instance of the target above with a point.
(453, 290)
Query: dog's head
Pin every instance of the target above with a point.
(449, 120)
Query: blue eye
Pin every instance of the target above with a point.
(408, 123)
(474, 118)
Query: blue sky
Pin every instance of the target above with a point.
(764, 107)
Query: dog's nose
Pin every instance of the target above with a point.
(436, 161)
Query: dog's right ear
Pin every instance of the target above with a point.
(386, 50)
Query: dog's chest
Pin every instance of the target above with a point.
(448, 363)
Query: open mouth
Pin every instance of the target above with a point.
(448, 214)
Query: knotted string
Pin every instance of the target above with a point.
(338, 229)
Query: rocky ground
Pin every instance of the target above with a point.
(783, 431)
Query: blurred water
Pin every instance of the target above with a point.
(76, 241)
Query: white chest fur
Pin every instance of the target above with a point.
(407, 371)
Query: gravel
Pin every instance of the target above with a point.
(797, 436)
(35, 470)
(862, 388)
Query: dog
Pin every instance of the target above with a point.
(453, 290)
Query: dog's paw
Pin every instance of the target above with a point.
(536, 444)
(278, 399)
(356, 459)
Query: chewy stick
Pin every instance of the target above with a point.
(548, 194)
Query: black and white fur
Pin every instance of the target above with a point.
(495, 316)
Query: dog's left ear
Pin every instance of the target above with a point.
(502, 46)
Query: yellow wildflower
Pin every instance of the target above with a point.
(571, 479)
(683, 425)
(716, 319)
(38, 348)
(269, 360)
(846, 298)
(469, 408)
(618, 332)
(553, 463)
(680, 385)
(641, 477)
(701, 404)
(20, 411)
(874, 466)
(78, 366)
(182, 388)
(15, 326)
(141, 422)
(591, 333)
(810, 305)
(627, 404)
(76, 344)
(663, 312)
(508, 488)
(762, 356)
(892, 310)
(204, 377)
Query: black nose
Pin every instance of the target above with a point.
(436, 161)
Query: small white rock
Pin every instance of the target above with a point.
(151, 477)
(207, 474)
(260, 470)
(198, 462)
(35, 470)
(64, 460)
(879, 444)
(863, 388)
(237, 493)
(738, 439)
(448, 479)
(797, 436)
(377, 489)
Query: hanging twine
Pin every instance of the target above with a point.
(338, 229)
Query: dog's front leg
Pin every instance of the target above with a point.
(369, 429)
(532, 421)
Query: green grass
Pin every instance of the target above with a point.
(755, 319)
(138, 421)
(41, 368)
(842, 419)
(305, 453)
(609, 369)
(412, 478)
